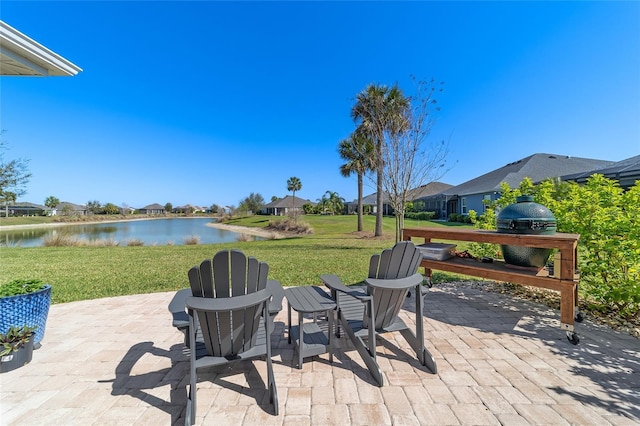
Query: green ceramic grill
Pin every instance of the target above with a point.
(526, 217)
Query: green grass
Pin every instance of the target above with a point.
(25, 220)
(80, 273)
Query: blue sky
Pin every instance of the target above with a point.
(205, 102)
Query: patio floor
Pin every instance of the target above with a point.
(118, 361)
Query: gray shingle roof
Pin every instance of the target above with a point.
(288, 201)
(537, 167)
(626, 171)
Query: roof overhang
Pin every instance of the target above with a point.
(21, 55)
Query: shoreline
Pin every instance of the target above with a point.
(82, 222)
(258, 232)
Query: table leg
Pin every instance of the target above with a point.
(301, 340)
(289, 322)
(330, 333)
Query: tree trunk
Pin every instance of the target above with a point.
(399, 224)
(379, 198)
(360, 226)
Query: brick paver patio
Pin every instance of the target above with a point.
(118, 361)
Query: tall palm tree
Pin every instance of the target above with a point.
(293, 185)
(358, 151)
(380, 110)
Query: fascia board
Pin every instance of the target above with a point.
(31, 53)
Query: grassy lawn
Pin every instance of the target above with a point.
(79, 273)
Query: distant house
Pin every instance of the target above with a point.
(25, 209)
(424, 197)
(152, 209)
(537, 167)
(188, 208)
(418, 194)
(285, 205)
(626, 172)
(67, 208)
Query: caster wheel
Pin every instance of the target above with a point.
(573, 337)
(579, 317)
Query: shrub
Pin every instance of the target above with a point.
(605, 216)
(290, 226)
(244, 238)
(60, 240)
(192, 240)
(135, 243)
(421, 215)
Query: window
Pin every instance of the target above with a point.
(464, 205)
(487, 200)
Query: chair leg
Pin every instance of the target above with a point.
(365, 353)
(423, 354)
(271, 384)
(190, 412)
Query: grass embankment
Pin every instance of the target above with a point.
(79, 273)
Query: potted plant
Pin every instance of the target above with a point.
(25, 303)
(16, 347)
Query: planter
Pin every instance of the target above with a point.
(29, 309)
(18, 358)
(526, 217)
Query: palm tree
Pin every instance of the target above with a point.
(293, 185)
(358, 151)
(331, 202)
(380, 110)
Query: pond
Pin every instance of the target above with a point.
(149, 232)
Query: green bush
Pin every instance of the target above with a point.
(421, 215)
(606, 217)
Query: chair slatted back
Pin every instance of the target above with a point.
(230, 273)
(400, 261)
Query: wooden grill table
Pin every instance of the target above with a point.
(309, 339)
(566, 283)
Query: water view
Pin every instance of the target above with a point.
(149, 232)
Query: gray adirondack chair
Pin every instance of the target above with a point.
(365, 311)
(178, 307)
(227, 315)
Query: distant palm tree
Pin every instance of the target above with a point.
(293, 185)
(358, 151)
(331, 202)
(380, 110)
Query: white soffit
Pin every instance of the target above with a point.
(21, 55)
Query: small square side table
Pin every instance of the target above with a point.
(309, 339)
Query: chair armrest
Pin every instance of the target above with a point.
(334, 283)
(177, 308)
(395, 283)
(277, 294)
(226, 304)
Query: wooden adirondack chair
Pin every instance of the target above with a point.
(365, 311)
(228, 317)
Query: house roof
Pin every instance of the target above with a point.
(21, 55)
(627, 172)
(75, 207)
(27, 205)
(154, 206)
(288, 202)
(536, 167)
(429, 189)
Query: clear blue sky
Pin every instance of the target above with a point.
(206, 102)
